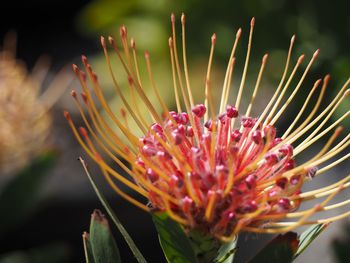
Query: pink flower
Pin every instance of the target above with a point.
(219, 171)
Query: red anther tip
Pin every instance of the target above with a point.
(292, 39)
(250, 181)
(67, 115)
(75, 68)
(84, 59)
(318, 82)
(231, 111)
(123, 112)
(89, 68)
(236, 135)
(110, 40)
(301, 58)
(132, 43)
(123, 31)
(172, 17)
(239, 32)
(327, 77)
(341, 187)
(82, 74)
(211, 192)
(256, 136)
(199, 110)
(318, 207)
(103, 41)
(316, 53)
(94, 77)
(98, 157)
(252, 22)
(213, 38)
(339, 130)
(126, 150)
(146, 54)
(183, 18)
(84, 97)
(73, 93)
(83, 132)
(282, 182)
(265, 57)
(130, 80)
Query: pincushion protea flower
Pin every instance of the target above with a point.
(24, 111)
(220, 171)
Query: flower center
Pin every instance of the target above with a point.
(222, 174)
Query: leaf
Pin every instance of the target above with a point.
(21, 195)
(308, 236)
(53, 253)
(173, 240)
(226, 252)
(103, 246)
(208, 249)
(136, 252)
(280, 249)
(194, 246)
(205, 246)
(89, 257)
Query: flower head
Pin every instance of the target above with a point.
(24, 116)
(221, 171)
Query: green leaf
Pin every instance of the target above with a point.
(280, 249)
(137, 254)
(89, 257)
(204, 246)
(208, 249)
(194, 246)
(103, 245)
(175, 243)
(308, 236)
(226, 252)
(20, 196)
(53, 253)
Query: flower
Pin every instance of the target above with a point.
(221, 172)
(24, 115)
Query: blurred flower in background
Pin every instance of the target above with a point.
(26, 151)
(25, 117)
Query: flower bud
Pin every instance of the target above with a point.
(199, 110)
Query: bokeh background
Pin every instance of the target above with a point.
(66, 29)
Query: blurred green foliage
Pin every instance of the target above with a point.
(19, 200)
(22, 195)
(53, 253)
(341, 246)
(318, 25)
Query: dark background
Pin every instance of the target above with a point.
(45, 28)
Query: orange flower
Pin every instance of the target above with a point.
(219, 171)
